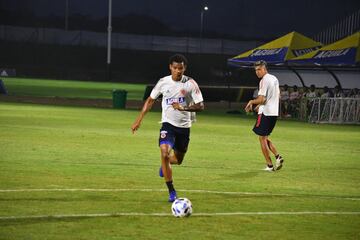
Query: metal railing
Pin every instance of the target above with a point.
(335, 110)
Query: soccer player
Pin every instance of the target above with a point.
(268, 110)
(181, 98)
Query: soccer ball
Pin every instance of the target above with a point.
(181, 207)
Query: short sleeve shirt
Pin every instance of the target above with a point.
(185, 92)
(269, 88)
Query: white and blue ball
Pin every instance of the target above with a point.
(181, 207)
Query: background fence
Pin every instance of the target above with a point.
(125, 41)
(335, 110)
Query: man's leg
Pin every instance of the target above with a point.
(272, 147)
(175, 157)
(165, 150)
(167, 171)
(265, 150)
(279, 159)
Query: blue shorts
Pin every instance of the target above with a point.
(177, 138)
(264, 125)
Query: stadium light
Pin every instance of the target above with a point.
(203, 10)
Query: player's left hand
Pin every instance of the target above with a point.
(177, 106)
(248, 107)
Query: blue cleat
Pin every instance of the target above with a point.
(172, 196)
(160, 172)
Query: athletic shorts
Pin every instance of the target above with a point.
(264, 125)
(177, 138)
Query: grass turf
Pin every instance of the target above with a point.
(70, 89)
(47, 147)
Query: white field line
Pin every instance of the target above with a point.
(95, 215)
(164, 190)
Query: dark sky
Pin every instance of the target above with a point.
(252, 18)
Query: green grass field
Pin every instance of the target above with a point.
(74, 171)
(70, 89)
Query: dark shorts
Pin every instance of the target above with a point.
(264, 125)
(177, 138)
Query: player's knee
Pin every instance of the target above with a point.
(165, 156)
(263, 140)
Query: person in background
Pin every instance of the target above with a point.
(304, 91)
(310, 96)
(326, 93)
(312, 93)
(284, 100)
(294, 101)
(338, 93)
(354, 93)
(267, 104)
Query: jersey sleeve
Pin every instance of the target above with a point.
(196, 94)
(263, 87)
(156, 91)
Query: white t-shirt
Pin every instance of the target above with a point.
(186, 92)
(311, 94)
(269, 88)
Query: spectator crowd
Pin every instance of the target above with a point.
(291, 98)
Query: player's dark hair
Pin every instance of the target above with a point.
(260, 63)
(178, 58)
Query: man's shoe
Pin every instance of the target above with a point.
(279, 163)
(172, 196)
(160, 172)
(269, 169)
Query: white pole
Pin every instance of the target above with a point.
(205, 8)
(109, 40)
(201, 22)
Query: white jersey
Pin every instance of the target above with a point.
(185, 92)
(311, 95)
(269, 88)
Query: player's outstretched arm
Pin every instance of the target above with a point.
(198, 107)
(147, 106)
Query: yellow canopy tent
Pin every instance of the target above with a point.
(277, 51)
(345, 52)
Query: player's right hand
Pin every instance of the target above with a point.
(135, 127)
